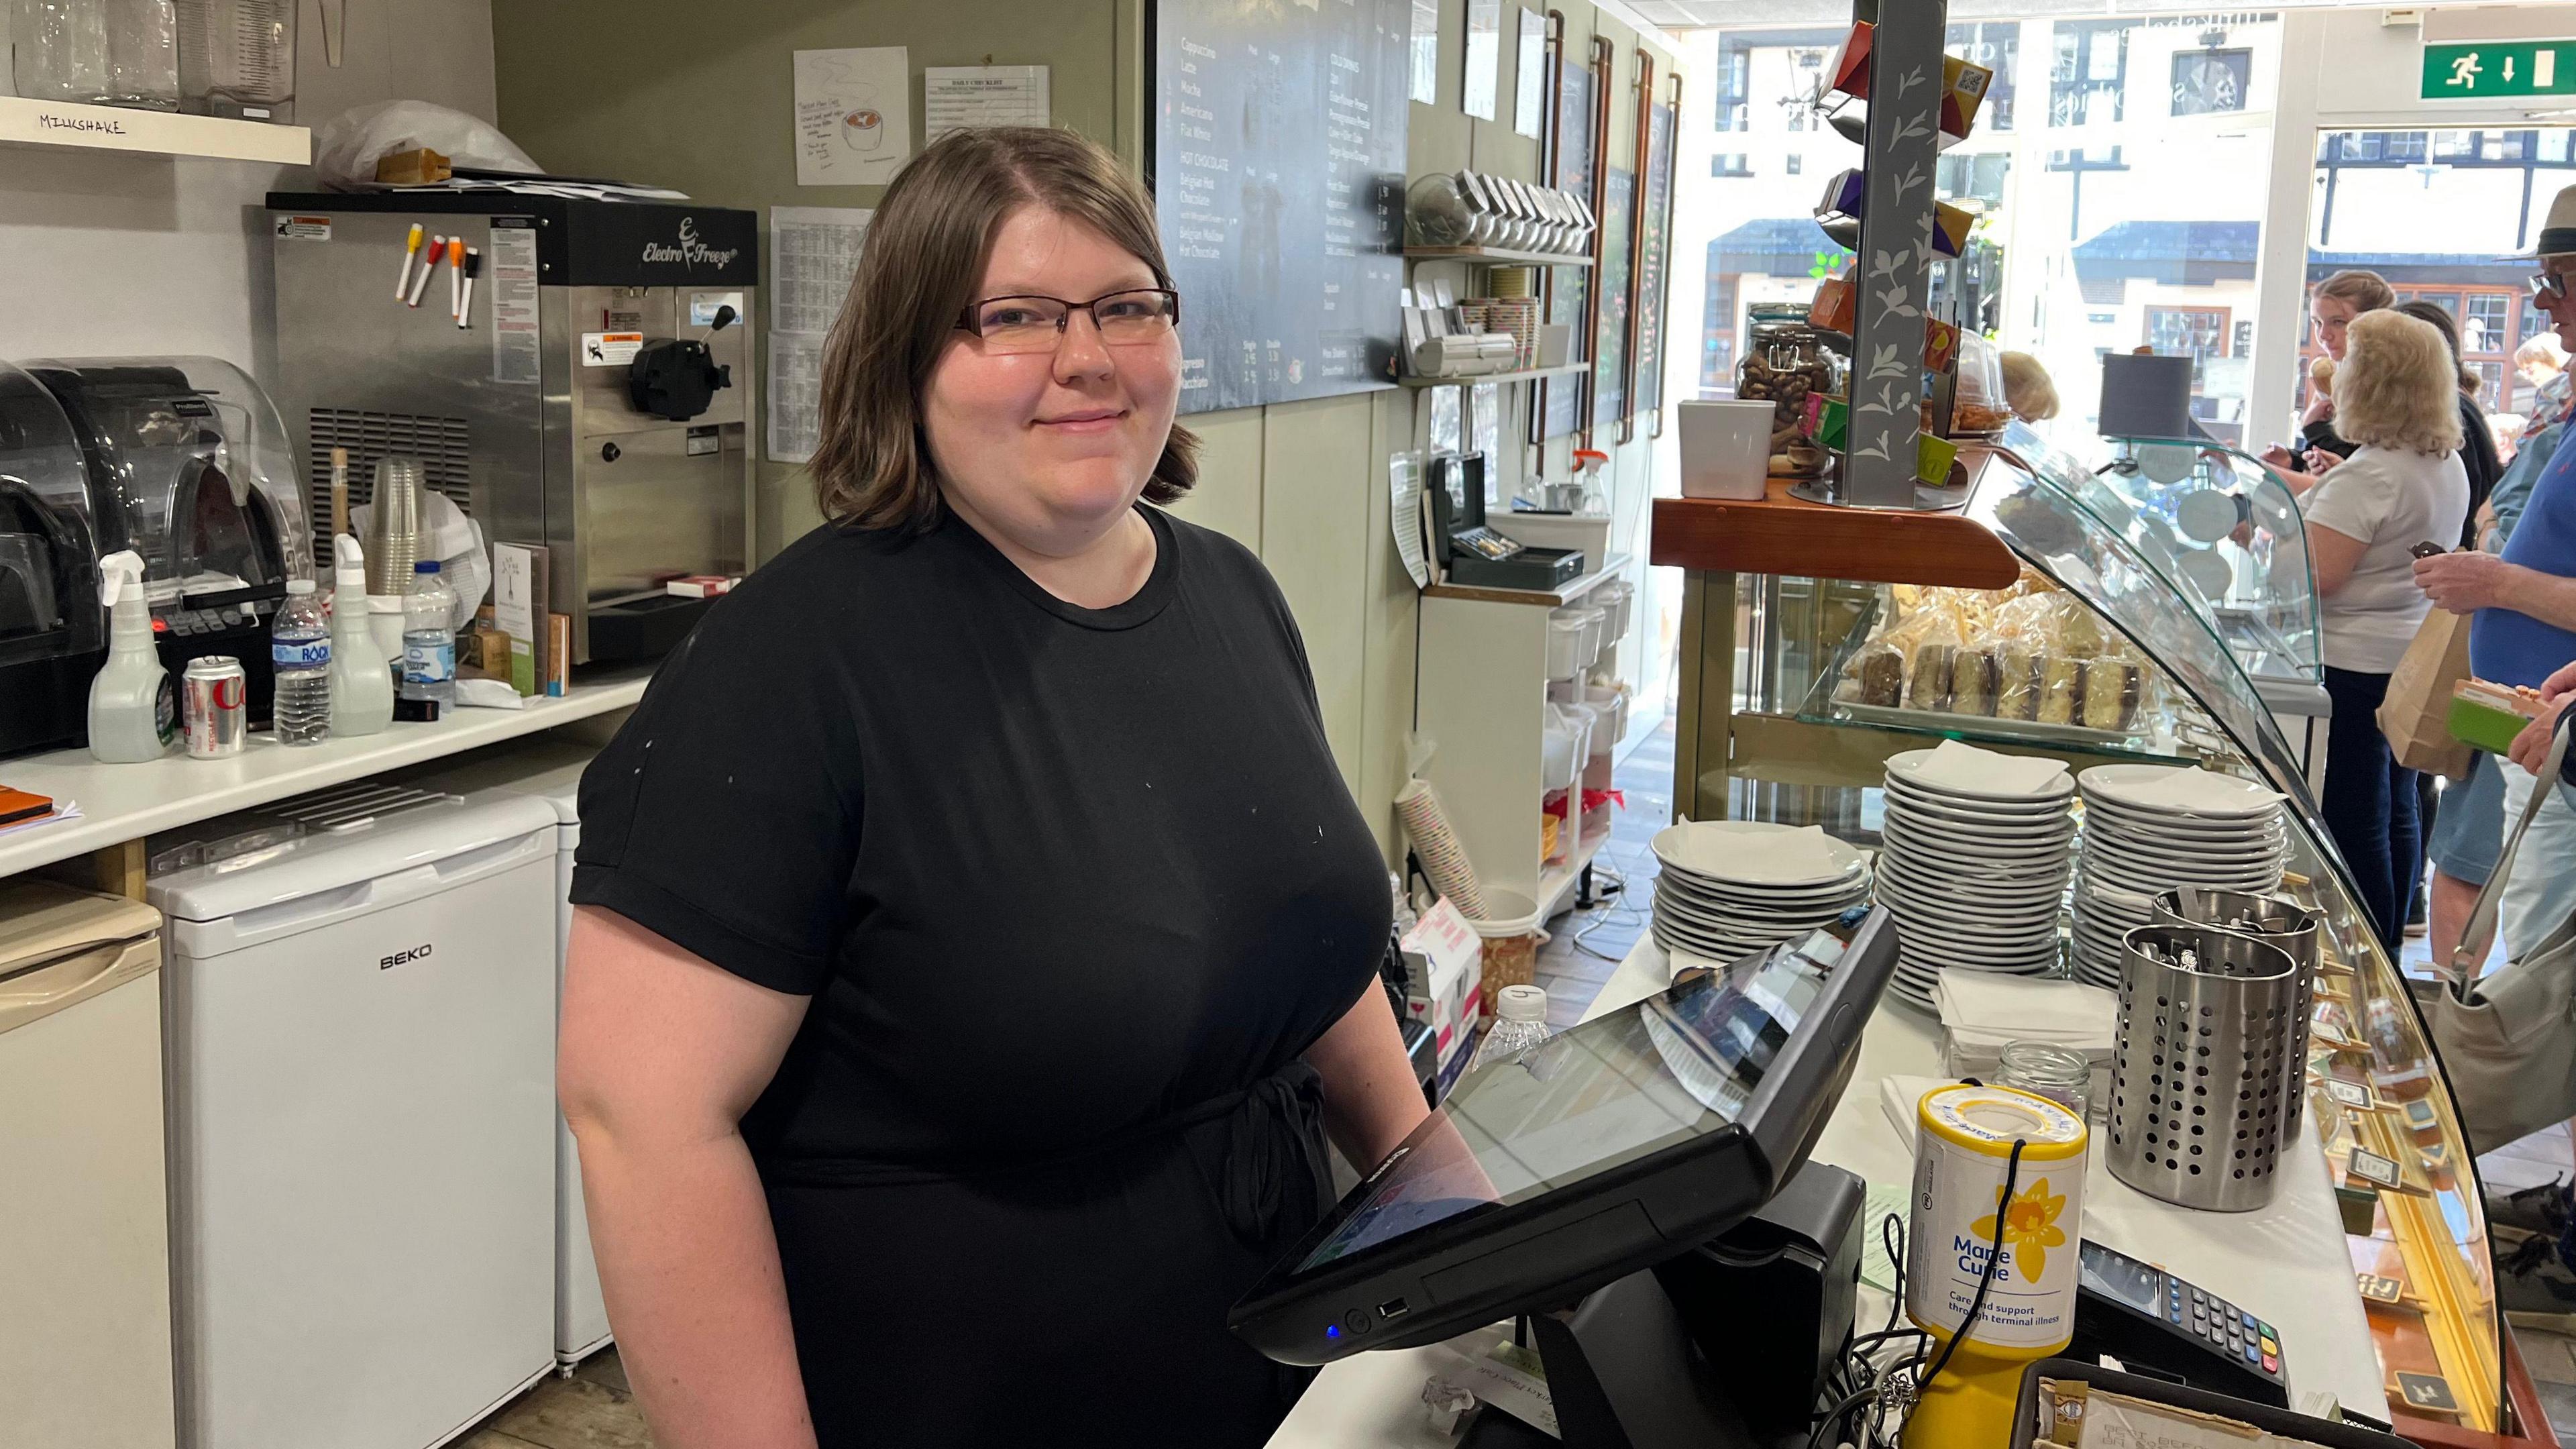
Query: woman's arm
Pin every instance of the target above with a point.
(1371, 1100)
(661, 1053)
(2334, 556)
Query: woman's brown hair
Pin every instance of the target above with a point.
(2362, 291)
(923, 259)
(2443, 322)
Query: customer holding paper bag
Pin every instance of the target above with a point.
(2403, 485)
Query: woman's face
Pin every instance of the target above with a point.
(1051, 447)
(2331, 316)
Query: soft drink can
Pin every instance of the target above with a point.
(216, 703)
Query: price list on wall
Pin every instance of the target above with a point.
(1278, 169)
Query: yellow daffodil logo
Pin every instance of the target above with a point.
(2030, 1227)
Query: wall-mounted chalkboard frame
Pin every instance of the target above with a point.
(1276, 154)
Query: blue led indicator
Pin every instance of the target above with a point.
(1332, 1330)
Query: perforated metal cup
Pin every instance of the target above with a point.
(2275, 921)
(2201, 1071)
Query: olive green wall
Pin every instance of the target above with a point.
(699, 97)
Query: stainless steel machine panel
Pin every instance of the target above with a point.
(525, 420)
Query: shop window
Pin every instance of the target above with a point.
(1978, 176)
(2242, 345)
(1733, 164)
(1717, 337)
(2534, 322)
(2199, 333)
(1734, 87)
(2490, 397)
(2209, 81)
(1795, 165)
(2088, 83)
(2484, 325)
(2103, 319)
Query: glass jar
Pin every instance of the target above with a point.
(2062, 1076)
(237, 58)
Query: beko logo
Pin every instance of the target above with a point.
(691, 251)
(404, 958)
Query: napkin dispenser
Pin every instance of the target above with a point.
(1472, 553)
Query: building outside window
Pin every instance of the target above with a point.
(2206, 82)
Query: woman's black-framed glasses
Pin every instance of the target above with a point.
(1036, 324)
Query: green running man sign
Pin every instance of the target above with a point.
(2486, 69)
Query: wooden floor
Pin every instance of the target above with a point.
(1586, 944)
(594, 1409)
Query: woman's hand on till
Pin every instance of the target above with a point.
(2463, 582)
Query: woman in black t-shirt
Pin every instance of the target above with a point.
(975, 934)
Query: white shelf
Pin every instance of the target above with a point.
(162, 133)
(127, 802)
(1556, 883)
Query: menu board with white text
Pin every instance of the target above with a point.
(1278, 173)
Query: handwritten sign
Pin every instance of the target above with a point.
(853, 115)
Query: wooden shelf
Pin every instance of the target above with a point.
(1525, 374)
(161, 133)
(1494, 257)
(1785, 535)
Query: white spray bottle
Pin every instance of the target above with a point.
(133, 711)
(362, 685)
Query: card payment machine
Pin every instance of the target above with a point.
(2155, 1323)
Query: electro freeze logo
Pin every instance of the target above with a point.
(691, 251)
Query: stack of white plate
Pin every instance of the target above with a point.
(1731, 887)
(2149, 828)
(1977, 846)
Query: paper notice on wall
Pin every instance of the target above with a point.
(1404, 488)
(814, 251)
(955, 97)
(795, 395)
(853, 115)
(511, 284)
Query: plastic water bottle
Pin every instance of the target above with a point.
(429, 637)
(299, 644)
(1520, 1021)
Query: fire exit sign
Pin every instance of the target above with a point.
(2491, 68)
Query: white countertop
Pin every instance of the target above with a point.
(2287, 1263)
(126, 802)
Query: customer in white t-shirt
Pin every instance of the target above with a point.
(2403, 485)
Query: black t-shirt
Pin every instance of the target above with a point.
(1052, 874)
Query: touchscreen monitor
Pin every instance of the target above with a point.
(1609, 1146)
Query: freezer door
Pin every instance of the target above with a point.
(363, 1166)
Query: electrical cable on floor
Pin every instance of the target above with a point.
(1606, 911)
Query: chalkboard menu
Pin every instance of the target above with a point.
(1561, 411)
(1610, 335)
(1278, 173)
(1655, 214)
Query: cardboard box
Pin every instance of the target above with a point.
(1444, 994)
(2489, 716)
(557, 660)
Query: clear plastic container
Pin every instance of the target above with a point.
(300, 647)
(429, 640)
(237, 58)
(1437, 212)
(1978, 407)
(61, 50)
(142, 55)
(1520, 1022)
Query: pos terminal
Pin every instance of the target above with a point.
(1550, 1181)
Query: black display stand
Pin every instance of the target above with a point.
(1624, 1374)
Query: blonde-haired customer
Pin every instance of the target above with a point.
(2028, 391)
(2396, 399)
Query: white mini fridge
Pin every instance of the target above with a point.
(361, 1094)
(549, 770)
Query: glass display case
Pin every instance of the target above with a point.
(2223, 532)
(1790, 710)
